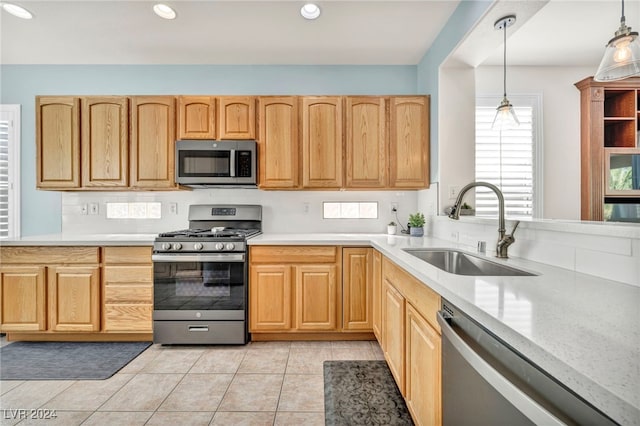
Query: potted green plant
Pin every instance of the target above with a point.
(467, 210)
(392, 228)
(416, 224)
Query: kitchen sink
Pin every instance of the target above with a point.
(461, 263)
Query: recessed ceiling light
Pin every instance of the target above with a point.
(16, 10)
(164, 11)
(310, 11)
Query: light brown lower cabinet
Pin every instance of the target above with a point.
(127, 289)
(23, 298)
(411, 342)
(76, 293)
(74, 298)
(356, 288)
(293, 288)
(376, 294)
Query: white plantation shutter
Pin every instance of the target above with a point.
(508, 159)
(9, 170)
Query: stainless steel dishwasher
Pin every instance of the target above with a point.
(486, 382)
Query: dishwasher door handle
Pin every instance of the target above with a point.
(520, 400)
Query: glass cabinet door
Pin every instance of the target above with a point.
(622, 172)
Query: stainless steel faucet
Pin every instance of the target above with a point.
(505, 240)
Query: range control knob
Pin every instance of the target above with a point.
(165, 246)
(177, 246)
(230, 246)
(219, 246)
(197, 246)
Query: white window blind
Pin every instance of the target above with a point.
(508, 159)
(9, 171)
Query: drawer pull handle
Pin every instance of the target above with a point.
(198, 328)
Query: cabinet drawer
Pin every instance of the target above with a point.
(128, 294)
(128, 317)
(293, 254)
(425, 300)
(127, 274)
(127, 254)
(49, 255)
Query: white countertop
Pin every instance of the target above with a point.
(82, 240)
(581, 329)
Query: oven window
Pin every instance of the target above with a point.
(202, 163)
(199, 286)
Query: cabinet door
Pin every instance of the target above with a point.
(393, 329)
(127, 298)
(356, 289)
(152, 142)
(270, 298)
(74, 298)
(22, 298)
(366, 142)
(196, 117)
(316, 291)
(376, 296)
(409, 142)
(57, 142)
(237, 117)
(278, 142)
(321, 142)
(423, 394)
(105, 142)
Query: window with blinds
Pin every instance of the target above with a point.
(508, 159)
(9, 170)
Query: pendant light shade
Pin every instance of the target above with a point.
(505, 114)
(622, 55)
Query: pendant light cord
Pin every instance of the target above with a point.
(504, 61)
(622, 18)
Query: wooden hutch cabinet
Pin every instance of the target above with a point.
(610, 150)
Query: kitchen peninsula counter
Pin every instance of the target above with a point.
(581, 329)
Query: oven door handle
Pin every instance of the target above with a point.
(213, 257)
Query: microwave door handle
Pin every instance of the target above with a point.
(232, 171)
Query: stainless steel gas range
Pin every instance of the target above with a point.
(200, 276)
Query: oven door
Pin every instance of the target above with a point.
(199, 286)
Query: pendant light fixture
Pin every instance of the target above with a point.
(505, 114)
(621, 56)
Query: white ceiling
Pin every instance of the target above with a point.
(359, 32)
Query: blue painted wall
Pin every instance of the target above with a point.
(19, 84)
(461, 21)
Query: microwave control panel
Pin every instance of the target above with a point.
(243, 164)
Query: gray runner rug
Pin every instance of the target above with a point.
(66, 360)
(362, 393)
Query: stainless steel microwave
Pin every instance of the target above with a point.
(205, 163)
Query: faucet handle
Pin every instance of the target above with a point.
(513, 231)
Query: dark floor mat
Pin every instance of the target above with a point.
(362, 393)
(66, 360)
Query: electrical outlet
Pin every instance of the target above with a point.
(305, 208)
(93, 208)
(453, 191)
(454, 236)
(84, 209)
(173, 208)
(394, 207)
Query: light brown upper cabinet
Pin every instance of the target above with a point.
(409, 142)
(366, 142)
(196, 117)
(278, 141)
(57, 142)
(152, 142)
(237, 117)
(105, 142)
(322, 142)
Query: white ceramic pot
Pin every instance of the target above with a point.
(392, 229)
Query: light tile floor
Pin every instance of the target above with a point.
(262, 383)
